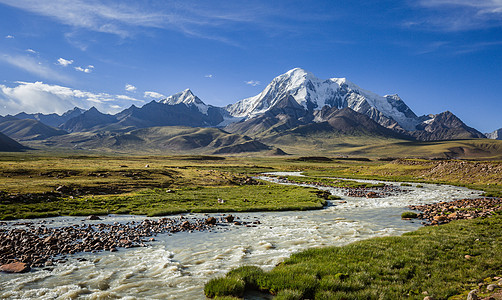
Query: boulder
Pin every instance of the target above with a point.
(93, 217)
(492, 287)
(473, 295)
(15, 267)
(229, 218)
(211, 221)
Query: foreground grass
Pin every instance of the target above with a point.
(159, 202)
(431, 260)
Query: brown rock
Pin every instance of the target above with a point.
(16, 267)
(229, 218)
(371, 195)
(210, 221)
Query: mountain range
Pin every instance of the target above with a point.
(293, 104)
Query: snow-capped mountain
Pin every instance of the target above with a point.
(313, 93)
(188, 98)
(496, 135)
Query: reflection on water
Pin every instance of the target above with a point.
(177, 266)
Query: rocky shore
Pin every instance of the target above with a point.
(445, 212)
(380, 191)
(28, 244)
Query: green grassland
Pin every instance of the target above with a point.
(137, 184)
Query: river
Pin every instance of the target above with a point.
(177, 266)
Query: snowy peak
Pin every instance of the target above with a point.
(188, 98)
(313, 93)
(496, 135)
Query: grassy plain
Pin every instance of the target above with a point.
(48, 185)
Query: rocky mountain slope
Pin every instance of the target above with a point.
(444, 126)
(9, 145)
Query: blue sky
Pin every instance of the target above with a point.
(436, 54)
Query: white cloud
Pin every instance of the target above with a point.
(64, 62)
(31, 51)
(459, 15)
(130, 88)
(29, 64)
(85, 70)
(155, 95)
(209, 76)
(9, 36)
(252, 82)
(125, 97)
(32, 97)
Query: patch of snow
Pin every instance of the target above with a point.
(188, 98)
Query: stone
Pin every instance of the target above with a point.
(428, 298)
(492, 287)
(185, 224)
(467, 256)
(229, 218)
(371, 195)
(211, 221)
(93, 217)
(15, 267)
(473, 295)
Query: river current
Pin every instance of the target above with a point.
(177, 266)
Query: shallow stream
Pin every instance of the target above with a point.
(177, 266)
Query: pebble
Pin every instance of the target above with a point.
(445, 212)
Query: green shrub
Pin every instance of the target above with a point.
(224, 286)
(409, 215)
(289, 295)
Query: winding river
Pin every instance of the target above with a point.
(177, 266)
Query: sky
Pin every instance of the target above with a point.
(437, 55)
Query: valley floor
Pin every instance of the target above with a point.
(441, 261)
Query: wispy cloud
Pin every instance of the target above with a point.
(64, 62)
(125, 97)
(209, 76)
(87, 69)
(31, 51)
(154, 95)
(130, 88)
(34, 97)
(190, 17)
(459, 15)
(9, 36)
(252, 82)
(29, 64)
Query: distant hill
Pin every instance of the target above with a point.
(27, 129)
(168, 139)
(53, 120)
(9, 145)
